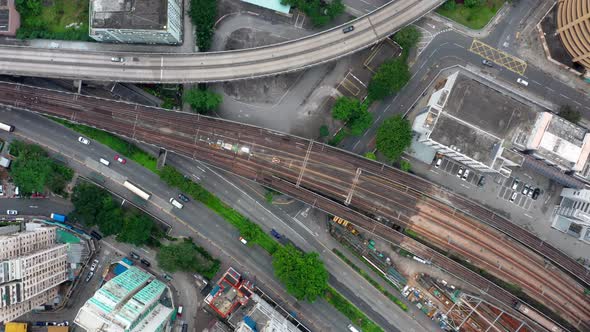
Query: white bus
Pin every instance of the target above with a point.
(136, 190)
(6, 127)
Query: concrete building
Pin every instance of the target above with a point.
(32, 266)
(572, 215)
(136, 21)
(491, 131)
(128, 302)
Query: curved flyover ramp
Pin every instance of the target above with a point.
(216, 66)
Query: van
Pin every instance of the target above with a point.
(351, 328)
(176, 203)
(104, 161)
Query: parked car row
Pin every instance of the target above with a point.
(526, 190)
(143, 261)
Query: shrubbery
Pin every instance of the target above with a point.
(49, 21)
(187, 257)
(303, 274)
(202, 101)
(34, 171)
(319, 12)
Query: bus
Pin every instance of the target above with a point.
(6, 127)
(136, 190)
(58, 217)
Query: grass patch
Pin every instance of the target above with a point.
(60, 19)
(371, 280)
(473, 18)
(120, 145)
(350, 311)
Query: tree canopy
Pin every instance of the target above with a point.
(33, 170)
(569, 114)
(187, 257)
(407, 37)
(303, 274)
(394, 136)
(354, 113)
(319, 12)
(203, 14)
(389, 78)
(202, 101)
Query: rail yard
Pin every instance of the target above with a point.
(377, 198)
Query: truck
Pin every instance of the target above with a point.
(58, 217)
(176, 203)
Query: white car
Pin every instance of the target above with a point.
(12, 212)
(93, 267)
(465, 175)
(522, 82)
(83, 140)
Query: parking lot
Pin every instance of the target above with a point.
(452, 167)
(519, 193)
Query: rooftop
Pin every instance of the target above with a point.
(118, 288)
(129, 14)
(467, 139)
(488, 109)
(275, 5)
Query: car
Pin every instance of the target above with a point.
(95, 261)
(83, 140)
(183, 198)
(12, 212)
(93, 267)
(117, 59)
(515, 184)
(96, 235)
(530, 194)
(482, 181)
(120, 159)
(525, 189)
(487, 63)
(1, 190)
(465, 175)
(145, 262)
(167, 277)
(522, 82)
(438, 162)
(460, 172)
(348, 29)
(536, 193)
(513, 197)
(89, 276)
(40, 323)
(179, 311)
(134, 255)
(276, 234)
(244, 241)
(17, 192)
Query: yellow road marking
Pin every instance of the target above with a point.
(499, 57)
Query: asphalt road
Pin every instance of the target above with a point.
(216, 66)
(35, 206)
(215, 234)
(452, 49)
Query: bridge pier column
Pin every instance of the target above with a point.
(161, 158)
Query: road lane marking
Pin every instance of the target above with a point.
(564, 96)
(536, 82)
(548, 88)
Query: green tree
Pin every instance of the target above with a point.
(31, 174)
(370, 155)
(394, 136)
(390, 77)
(472, 3)
(110, 218)
(345, 107)
(202, 101)
(304, 275)
(405, 165)
(360, 122)
(569, 114)
(407, 37)
(187, 257)
(203, 14)
(136, 230)
(324, 131)
(88, 201)
(450, 5)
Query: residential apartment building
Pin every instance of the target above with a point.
(32, 266)
(136, 21)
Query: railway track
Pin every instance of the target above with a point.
(324, 171)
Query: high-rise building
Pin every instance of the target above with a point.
(32, 266)
(128, 302)
(136, 21)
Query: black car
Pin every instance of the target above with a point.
(482, 181)
(183, 198)
(145, 262)
(348, 29)
(96, 235)
(536, 193)
(134, 255)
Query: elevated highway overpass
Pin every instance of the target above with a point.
(216, 66)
